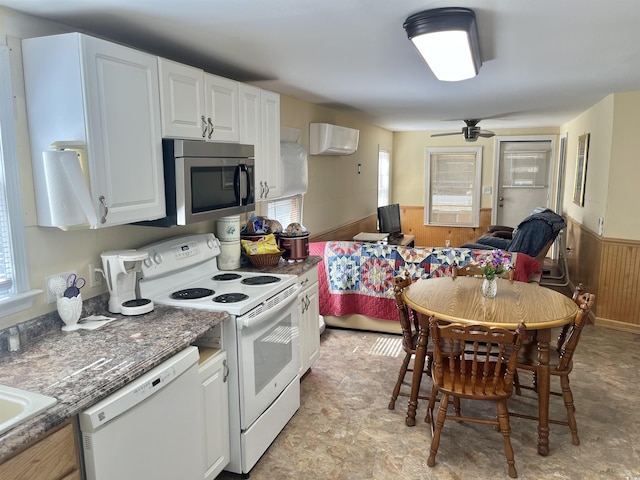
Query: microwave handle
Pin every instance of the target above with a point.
(244, 185)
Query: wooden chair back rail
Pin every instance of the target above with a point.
(561, 363)
(485, 372)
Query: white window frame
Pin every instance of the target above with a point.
(270, 204)
(475, 195)
(384, 177)
(19, 295)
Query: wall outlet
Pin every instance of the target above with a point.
(95, 277)
(600, 226)
(56, 285)
(486, 190)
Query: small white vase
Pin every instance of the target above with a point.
(70, 309)
(489, 287)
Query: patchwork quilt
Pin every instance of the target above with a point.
(355, 277)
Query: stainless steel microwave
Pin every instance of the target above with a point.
(205, 181)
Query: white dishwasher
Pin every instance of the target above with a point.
(150, 429)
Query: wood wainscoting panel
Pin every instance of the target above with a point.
(348, 231)
(412, 220)
(435, 236)
(619, 286)
(609, 269)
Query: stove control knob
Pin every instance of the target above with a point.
(210, 244)
(157, 258)
(148, 263)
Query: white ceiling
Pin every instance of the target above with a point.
(544, 61)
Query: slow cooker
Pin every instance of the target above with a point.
(296, 247)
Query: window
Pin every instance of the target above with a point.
(384, 178)
(15, 292)
(453, 186)
(286, 210)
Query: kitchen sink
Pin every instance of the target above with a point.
(17, 405)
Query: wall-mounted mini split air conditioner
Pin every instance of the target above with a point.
(327, 139)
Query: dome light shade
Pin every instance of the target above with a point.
(447, 39)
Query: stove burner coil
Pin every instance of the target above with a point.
(225, 277)
(191, 293)
(230, 298)
(260, 280)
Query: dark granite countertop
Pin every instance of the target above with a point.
(82, 367)
(289, 267)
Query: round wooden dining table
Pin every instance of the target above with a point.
(460, 300)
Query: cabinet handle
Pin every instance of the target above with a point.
(304, 282)
(226, 371)
(266, 187)
(211, 127)
(205, 127)
(261, 189)
(103, 201)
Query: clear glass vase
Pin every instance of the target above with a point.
(489, 287)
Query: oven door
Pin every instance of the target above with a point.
(268, 357)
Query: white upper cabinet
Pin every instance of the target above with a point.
(196, 104)
(182, 101)
(260, 126)
(221, 107)
(104, 98)
(250, 115)
(269, 168)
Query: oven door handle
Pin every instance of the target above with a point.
(246, 321)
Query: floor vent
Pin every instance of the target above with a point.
(388, 347)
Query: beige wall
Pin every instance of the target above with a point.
(613, 166)
(337, 194)
(408, 174)
(598, 122)
(620, 219)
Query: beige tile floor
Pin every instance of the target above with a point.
(344, 431)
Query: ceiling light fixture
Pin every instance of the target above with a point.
(447, 38)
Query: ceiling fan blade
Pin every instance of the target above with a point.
(445, 134)
(486, 133)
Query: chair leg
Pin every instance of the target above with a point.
(456, 405)
(567, 396)
(432, 402)
(435, 441)
(396, 390)
(516, 382)
(503, 421)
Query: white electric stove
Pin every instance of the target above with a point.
(183, 272)
(261, 338)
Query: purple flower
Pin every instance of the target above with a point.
(494, 263)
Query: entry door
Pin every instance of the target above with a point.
(524, 176)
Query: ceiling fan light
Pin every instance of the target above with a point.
(447, 39)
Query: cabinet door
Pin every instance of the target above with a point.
(221, 97)
(251, 129)
(313, 314)
(309, 320)
(181, 100)
(269, 168)
(215, 404)
(124, 141)
(54, 457)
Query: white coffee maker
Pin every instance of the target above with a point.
(120, 270)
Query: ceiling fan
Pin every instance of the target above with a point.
(470, 133)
